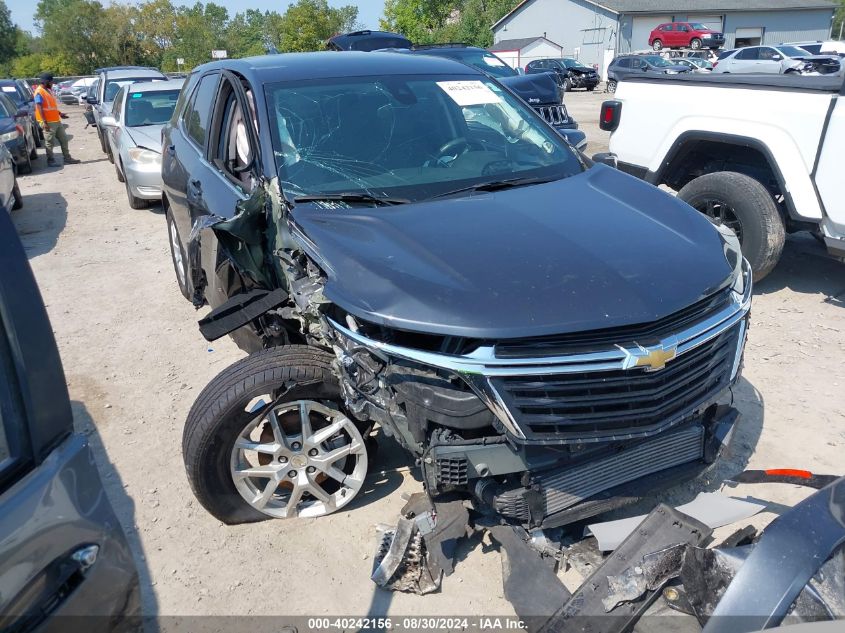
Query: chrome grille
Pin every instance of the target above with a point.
(642, 333)
(619, 402)
(555, 115)
(567, 488)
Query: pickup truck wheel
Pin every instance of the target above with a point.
(657, 45)
(567, 85)
(744, 205)
(695, 43)
(249, 458)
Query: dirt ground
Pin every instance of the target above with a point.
(135, 361)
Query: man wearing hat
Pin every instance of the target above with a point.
(50, 119)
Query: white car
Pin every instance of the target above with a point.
(761, 154)
(133, 136)
(820, 48)
(761, 59)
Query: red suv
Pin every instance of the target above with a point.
(685, 35)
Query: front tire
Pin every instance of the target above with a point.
(611, 86)
(25, 166)
(657, 45)
(695, 43)
(314, 457)
(102, 142)
(119, 173)
(17, 198)
(134, 201)
(746, 206)
(567, 85)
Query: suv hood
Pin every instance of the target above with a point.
(535, 89)
(597, 250)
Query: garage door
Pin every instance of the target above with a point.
(643, 27)
(712, 22)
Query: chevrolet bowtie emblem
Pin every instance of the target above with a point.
(654, 358)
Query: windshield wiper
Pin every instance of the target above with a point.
(351, 197)
(496, 185)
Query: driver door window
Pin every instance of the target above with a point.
(232, 140)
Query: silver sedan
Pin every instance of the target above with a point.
(133, 131)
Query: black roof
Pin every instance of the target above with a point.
(329, 64)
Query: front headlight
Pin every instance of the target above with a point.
(9, 136)
(144, 156)
(741, 276)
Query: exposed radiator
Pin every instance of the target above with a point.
(569, 487)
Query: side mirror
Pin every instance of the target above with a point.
(108, 121)
(606, 158)
(92, 100)
(21, 113)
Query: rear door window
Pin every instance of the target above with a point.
(748, 53)
(198, 112)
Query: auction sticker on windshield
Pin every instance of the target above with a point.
(468, 93)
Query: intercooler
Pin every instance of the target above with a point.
(569, 486)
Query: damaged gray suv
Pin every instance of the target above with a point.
(403, 244)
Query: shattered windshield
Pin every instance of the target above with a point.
(412, 137)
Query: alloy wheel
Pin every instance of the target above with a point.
(721, 213)
(298, 459)
(176, 249)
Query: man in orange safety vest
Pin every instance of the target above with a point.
(50, 119)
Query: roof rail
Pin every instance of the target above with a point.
(108, 68)
(422, 47)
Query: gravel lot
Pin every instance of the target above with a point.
(135, 361)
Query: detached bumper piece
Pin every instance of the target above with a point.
(614, 597)
(415, 555)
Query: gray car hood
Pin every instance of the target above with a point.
(596, 250)
(148, 136)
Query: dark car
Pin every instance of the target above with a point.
(17, 133)
(10, 193)
(367, 41)
(399, 240)
(570, 73)
(21, 95)
(626, 65)
(685, 35)
(540, 91)
(65, 564)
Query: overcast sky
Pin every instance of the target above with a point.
(369, 11)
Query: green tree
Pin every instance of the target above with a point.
(246, 34)
(418, 20)
(306, 25)
(75, 33)
(428, 21)
(837, 30)
(8, 35)
(30, 65)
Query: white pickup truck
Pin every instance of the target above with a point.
(764, 155)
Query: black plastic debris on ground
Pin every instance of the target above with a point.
(587, 609)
